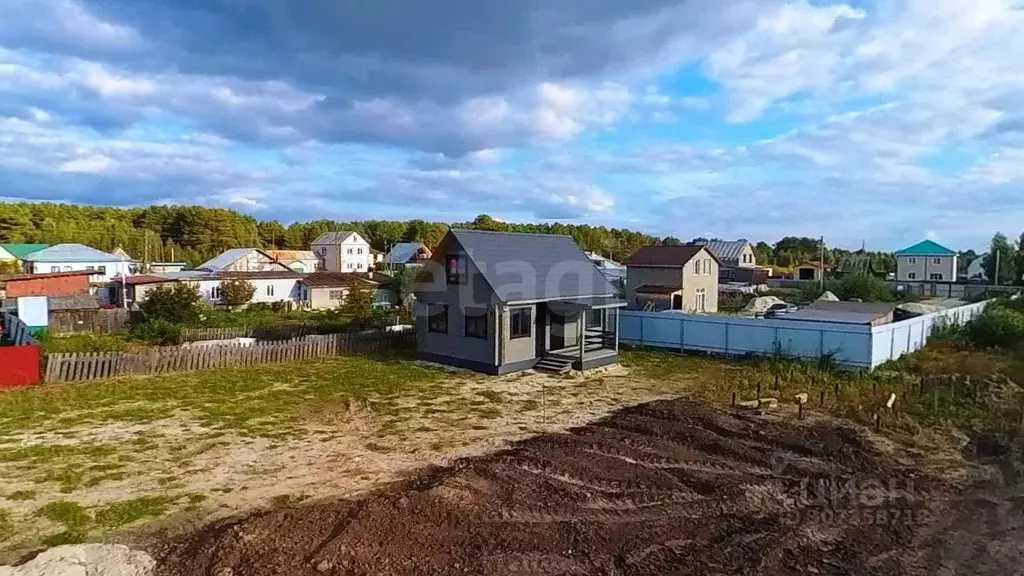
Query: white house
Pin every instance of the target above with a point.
(277, 286)
(243, 260)
(302, 261)
(77, 257)
(343, 252)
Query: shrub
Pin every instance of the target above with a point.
(159, 331)
(997, 327)
(236, 292)
(178, 303)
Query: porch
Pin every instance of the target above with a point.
(581, 334)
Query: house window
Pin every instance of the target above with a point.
(336, 295)
(102, 269)
(700, 300)
(90, 268)
(594, 319)
(696, 267)
(457, 269)
(476, 323)
(707, 266)
(215, 293)
(438, 321)
(912, 261)
(359, 250)
(349, 251)
(54, 268)
(912, 275)
(520, 323)
(936, 260)
(67, 269)
(270, 290)
(935, 276)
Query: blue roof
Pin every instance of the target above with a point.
(72, 253)
(402, 253)
(926, 248)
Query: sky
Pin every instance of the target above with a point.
(880, 121)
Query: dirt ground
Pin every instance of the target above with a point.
(670, 487)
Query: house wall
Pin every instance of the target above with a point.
(520, 349)
(6, 256)
(640, 275)
(814, 271)
(320, 298)
(336, 257)
(922, 267)
(112, 268)
(303, 266)
(62, 286)
(285, 289)
(570, 330)
(254, 261)
(474, 352)
(751, 260)
(707, 280)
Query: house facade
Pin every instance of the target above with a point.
(733, 256)
(343, 252)
(673, 278)
(325, 290)
(271, 287)
(810, 271)
(499, 302)
(926, 261)
(243, 260)
(301, 261)
(76, 258)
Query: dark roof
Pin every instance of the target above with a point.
(74, 302)
(272, 275)
(324, 279)
(521, 266)
(597, 302)
(657, 289)
(876, 308)
(675, 256)
(833, 317)
(145, 279)
(727, 251)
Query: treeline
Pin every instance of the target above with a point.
(194, 234)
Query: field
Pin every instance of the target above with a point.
(157, 460)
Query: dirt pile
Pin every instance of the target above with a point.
(669, 487)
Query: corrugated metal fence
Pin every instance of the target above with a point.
(851, 345)
(16, 331)
(82, 367)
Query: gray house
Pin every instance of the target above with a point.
(500, 302)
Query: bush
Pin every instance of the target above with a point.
(178, 304)
(859, 286)
(159, 332)
(997, 327)
(236, 292)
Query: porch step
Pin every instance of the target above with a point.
(554, 364)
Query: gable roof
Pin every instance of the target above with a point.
(19, 251)
(403, 252)
(727, 251)
(668, 256)
(229, 257)
(292, 255)
(926, 248)
(558, 268)
(334, 237)
(71, 253)
(324, 279)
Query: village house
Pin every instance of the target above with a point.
(343, 252)
(673, 278)
(927, 260)
(500, 302)
(736, 257)
(325, 290)
(243, 260)
(302, 261)
(77, 257)
(52, 284)
(407, 253)
(13, 253)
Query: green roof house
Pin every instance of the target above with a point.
(17, 252)
(926, 261)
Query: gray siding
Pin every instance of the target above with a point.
(660, 276)
(521, 348)
(569, 331)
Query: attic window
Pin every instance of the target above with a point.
(456, 268)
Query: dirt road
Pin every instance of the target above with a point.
(669, 487)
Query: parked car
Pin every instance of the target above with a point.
(780, 309)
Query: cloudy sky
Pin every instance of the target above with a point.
(883, 120)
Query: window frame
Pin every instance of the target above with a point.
(101, 269)
(937, 261)
(461, 272)
(472, 319)
(696, 267)
(270, 290)
(594, 319)
(912, 261)
(215, 293)
(349, 252)
(519, 312)
(911, 275)
(338, 295)
(434, 319)
(935, 276)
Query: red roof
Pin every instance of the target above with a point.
(43, 275)
(145, 279)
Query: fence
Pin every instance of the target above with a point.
(101, 321)
(201, 334)
(20, 362)
(851, 345)
(162, 360)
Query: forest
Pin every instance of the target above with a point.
(194, 234)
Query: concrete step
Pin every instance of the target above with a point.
(554, 364)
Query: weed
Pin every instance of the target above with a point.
(76, 536)
(22, 495)
(6, 525)
(72, 515)
(127, 511)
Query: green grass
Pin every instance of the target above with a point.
(45, 453)
(265, 401)
(6, 525)
(72, 515)
(21, 495)
(127, 511)
(87, 343)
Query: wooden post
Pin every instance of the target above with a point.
(733, 399)
(878, 421)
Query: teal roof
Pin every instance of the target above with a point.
(19, 251)
(926, 248)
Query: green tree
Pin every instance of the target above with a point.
(236, 292)
(272, 234)
(178, 303)
(1018, 260)
(763, 254)
(358, 303)
(1007, 254)
(671, 241)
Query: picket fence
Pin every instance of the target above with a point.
(79, 367)
(202, 334)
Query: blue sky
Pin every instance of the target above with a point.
(882, 121)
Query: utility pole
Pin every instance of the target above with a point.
(822, 263)
(996, 279)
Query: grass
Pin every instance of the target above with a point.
(127, 511)
(72, 515)
(22, 495)
(6, 525)
(88, 343)
(266, 401)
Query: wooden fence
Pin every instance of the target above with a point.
(202, 334)
(162, 360)
(100, 321)
(16, 331)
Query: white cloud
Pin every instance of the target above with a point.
(94, 164)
